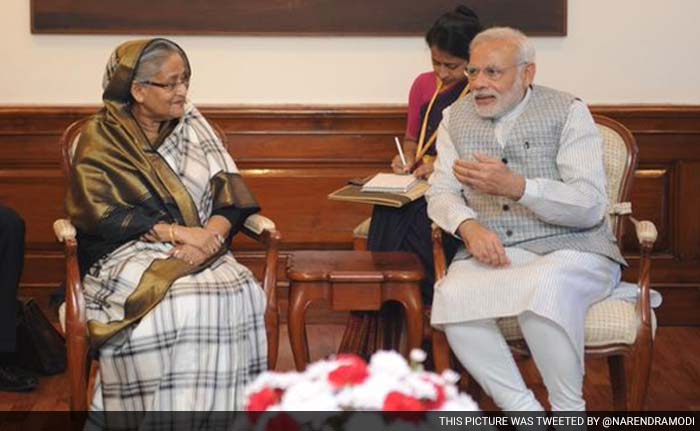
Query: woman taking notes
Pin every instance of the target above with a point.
(408, 228)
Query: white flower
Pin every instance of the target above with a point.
(390, 363)
(418, 355)
(369, 395)
(419, 387)
(450, 376)
(451, 391)
(320, 369)
(314, 395)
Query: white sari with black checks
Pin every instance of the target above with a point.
(200, 346)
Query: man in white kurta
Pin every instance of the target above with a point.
(519, 177)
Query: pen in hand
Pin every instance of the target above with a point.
(400, 150)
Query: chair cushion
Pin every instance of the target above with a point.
(610, 321)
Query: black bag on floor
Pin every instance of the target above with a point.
(40, 347)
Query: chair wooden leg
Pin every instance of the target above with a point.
(441, 351)
(359, 244)
(273, 339)
(640, 371)
(296, 323)
(618, 381)
(78, 364)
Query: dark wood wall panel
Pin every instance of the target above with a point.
(38, 196)
(328, 148)
(292, 157)
(688, 200)
(359, 17)
(651, 182)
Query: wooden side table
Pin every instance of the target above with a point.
(352, 281)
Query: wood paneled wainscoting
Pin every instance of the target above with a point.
(293, 156)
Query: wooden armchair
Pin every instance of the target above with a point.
(619, 330)
(74, 323)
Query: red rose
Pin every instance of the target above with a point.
(348, 375)
(282, 422)
(261, 401)
(398, 402)
(400, 406)
(264, 399)
(350, 359)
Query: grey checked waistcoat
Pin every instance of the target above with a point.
(530, 150)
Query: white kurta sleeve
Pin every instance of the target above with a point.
(579, 199)
(447, 206)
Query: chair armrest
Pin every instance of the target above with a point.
(646, 232)
(646, 235)
(438, 253)
(76, 322)
(263, 230)
(64, 230)
(257, 223)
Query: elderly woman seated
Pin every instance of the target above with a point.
(155, 196)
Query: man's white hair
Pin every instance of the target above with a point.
(526, 50)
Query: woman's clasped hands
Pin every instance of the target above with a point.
(194, 245)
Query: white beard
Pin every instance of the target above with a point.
(503, 102)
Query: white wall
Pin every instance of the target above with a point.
(616, 51)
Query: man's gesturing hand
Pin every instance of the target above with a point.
(489, 175)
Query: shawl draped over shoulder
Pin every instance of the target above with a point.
(121, 185)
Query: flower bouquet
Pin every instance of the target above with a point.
(341, 390)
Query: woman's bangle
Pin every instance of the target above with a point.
(172, 233)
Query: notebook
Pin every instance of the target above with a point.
(390, 183)
(352, 193)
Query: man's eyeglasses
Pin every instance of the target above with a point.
(170, 87)
(492, 72)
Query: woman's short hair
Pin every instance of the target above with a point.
(153, 57)
(526, 49)
(454, 31)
